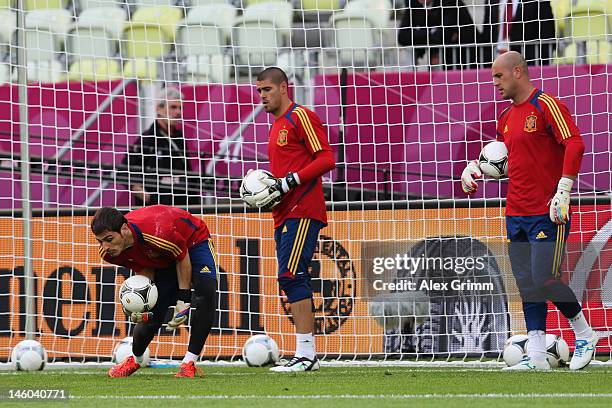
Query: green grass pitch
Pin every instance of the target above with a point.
(331, 387)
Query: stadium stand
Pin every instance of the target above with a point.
(261, 33)
(96, 33)
(587, 25)
(89, 4)
(195, 3)
(317, 10)
(151, 32)
(92, 44)
(144, 69)
(218, 40)
(203, 37)
(355, 38)
(46, 31)
(379, 11)
(7, 29)
(560, 8)
(98, 69)
(45, 4)
(355, 33)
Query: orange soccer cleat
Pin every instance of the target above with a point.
(189, 370)
(125, 368)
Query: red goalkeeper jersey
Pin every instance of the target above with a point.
(294, 140)
(162, 236)
(535, 133)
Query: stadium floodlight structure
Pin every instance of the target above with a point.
(403, 121)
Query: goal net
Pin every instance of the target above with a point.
(408, 267)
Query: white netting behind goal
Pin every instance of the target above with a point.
(406, 99)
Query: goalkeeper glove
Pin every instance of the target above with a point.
(138, 317)
(471, 172)
(277, 187)
(181, 310)
(560, 203)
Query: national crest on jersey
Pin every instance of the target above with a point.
(281, 140)
(294, 139)
(152, 254)
(534, 131)
(531, 123)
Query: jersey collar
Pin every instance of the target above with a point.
(528, 100)
(290, 109)
(136, 233)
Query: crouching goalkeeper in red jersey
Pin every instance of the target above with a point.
(544, 154)
(172, 248)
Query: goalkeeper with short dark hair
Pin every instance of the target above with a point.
(173, 248)
(299, 155)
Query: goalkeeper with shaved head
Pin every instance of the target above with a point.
(545, 150)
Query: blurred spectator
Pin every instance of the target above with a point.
(158, 160)
(427, 24)
(527, 20)
(478, 25)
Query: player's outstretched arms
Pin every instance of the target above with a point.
(468, 177)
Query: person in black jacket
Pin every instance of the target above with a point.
(478, 25)
(426, 25)
(532, 21)
(158, 160)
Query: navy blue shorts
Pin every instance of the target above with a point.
(296, 241)
(536, 250)
(203, 266)
(203, 260)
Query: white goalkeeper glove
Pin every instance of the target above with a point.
(277, 187)
(181, 312)
(560, 203)
(468, 176)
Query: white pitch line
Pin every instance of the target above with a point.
(350, 396)
(363, 370)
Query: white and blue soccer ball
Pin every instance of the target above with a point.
(557, 350)
(123, 349)
(29, 355)
(493, 160)
(515, 349)
(260, 350)
(252, 184)
(138, 294)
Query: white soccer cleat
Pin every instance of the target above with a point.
(298, 364)
(527, 364)
(583, 354)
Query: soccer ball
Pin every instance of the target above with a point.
(123, 349)
(252, 185)
(138, 294)
(493, 160)
(260, 350)
(557, 350)
(29, 355)
(515, 349)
